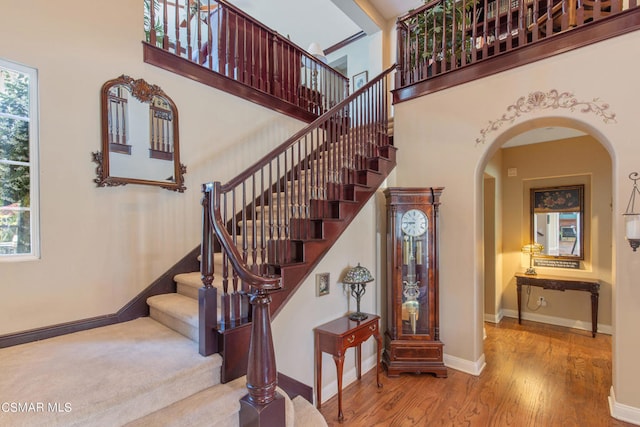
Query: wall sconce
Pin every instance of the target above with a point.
(357, 278)
(632, 216)
(532, 249)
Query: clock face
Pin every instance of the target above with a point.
(414, 223)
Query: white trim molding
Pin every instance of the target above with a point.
(466, 366)
(559, 321)
(623, 412)
(494, 318)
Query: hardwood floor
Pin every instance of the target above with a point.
(536, 375)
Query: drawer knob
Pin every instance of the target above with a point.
(351, 339)
(372, 328)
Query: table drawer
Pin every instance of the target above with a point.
(359, 335)
(409, 353)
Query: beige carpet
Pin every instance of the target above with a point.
(218, 406)
(102, 377)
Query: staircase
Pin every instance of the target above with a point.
(263, 234)
(265, 231)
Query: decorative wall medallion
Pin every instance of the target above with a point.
(551, 100)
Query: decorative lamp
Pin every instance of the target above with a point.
(532, 249)
(632, 216)
(357, 277)
(315, 50)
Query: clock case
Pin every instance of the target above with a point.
(412, 339)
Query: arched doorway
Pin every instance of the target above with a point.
(540, 153)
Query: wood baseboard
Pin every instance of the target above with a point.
(135, 308)
(294, 388)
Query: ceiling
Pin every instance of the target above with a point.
(550, 133)
(326, 22)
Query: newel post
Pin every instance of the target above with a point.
(263, 406)
(207, 304)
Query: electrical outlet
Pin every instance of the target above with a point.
(542, 302)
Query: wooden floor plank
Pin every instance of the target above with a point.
(536, 375)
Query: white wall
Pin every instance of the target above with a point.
(364, 54)
(436, 136)
(293, 326)
(102, 246)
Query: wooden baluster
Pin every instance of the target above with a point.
(568, 9)
(165, 25)
(153, 37)
(235, 281)
(549, 23)
(188, 28)
(254, 231)
(176, 24)
(287, 200)
(207, 310)
(263, 251)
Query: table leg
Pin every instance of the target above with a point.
(339, 366)
(519, 289)
(379, 351)
(318, 357)
(359, 361)
(594, 313)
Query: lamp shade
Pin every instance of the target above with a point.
(532, 248)
(357, 274)
(315, 50)
(632, 226)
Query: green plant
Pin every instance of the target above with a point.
(157, 25)
(438, 31)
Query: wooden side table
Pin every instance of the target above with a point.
(561, 284)
(335, 338)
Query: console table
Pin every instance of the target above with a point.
(335, 338)
(562, 284)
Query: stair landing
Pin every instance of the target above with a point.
(101, 377)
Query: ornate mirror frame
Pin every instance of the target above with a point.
(558, 221)
(134, 133)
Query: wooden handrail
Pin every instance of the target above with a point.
(301, 133)
(267, 283)
(259, 218)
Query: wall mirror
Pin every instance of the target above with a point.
(557, 221)
(139, 136)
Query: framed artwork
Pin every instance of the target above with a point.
(322, 284)
(557, 199)
(360, 80)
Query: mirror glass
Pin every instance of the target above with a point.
(557, 221)
(139, 136)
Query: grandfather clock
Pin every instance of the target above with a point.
(412, 339)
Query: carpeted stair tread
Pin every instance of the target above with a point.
(179, 306)
(177, 312)
(216, 406)
(105, 376)
(306, 414)
(188, 284)
(219, 406)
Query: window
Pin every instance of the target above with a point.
(19, 220)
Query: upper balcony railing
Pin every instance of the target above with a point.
(222, 38)
(447, 35)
